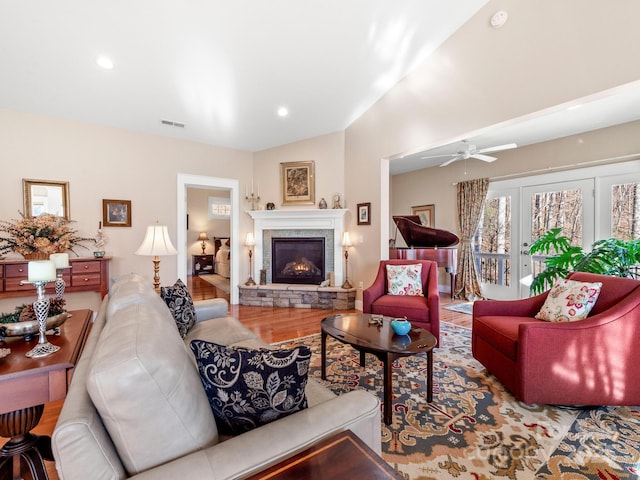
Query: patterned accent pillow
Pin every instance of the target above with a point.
(248, 388)
(569, 300)
(404, 279)
(180, 304)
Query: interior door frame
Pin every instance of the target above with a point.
(186, 181)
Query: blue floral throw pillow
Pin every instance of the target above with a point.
(248, 388)
(180, 304)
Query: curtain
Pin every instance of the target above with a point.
(471, 197)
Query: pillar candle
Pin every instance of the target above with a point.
(61, 260)
(332, 279)
(41, 271)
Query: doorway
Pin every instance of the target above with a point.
(588, 204)
(186, 181)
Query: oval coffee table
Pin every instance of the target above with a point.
(357, 330)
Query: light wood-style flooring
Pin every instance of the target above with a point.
(271, 324)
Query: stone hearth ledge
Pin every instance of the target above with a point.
(297, 296)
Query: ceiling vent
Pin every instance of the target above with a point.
(172, 123)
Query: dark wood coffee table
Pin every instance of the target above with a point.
(26, 385)
(342, 455)
(355, 330)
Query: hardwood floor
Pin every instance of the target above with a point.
(271, 324)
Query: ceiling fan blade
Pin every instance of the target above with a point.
(497, 148)
(484, 158)
(449, 162)
(439, 156)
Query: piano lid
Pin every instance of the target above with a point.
(417, 235)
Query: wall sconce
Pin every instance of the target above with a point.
(156, 243)
(250, 242)
(346, 243)
(203, 238)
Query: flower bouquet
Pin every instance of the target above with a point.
(44, 235)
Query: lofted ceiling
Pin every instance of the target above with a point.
(612, 107)
(219, 69)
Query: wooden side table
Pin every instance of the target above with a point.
(27, 384)
(342, 455)
(202, 264)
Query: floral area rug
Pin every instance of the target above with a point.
(475, 429)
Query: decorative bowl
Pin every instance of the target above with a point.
(4, 352)
(18, 329)
(400, 326)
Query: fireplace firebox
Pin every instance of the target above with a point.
(298, 260)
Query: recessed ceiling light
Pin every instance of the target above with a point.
(283, 112)
(105, 63)
(575, 107)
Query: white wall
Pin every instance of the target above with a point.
(548, 53)
(100, 162)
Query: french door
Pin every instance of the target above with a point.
(567, 205)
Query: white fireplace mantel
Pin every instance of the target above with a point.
(329, 219)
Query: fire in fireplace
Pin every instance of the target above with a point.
(297, 260)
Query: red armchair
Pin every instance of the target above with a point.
(588, 362)
(422, 311)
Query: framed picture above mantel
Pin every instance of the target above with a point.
(298, 183)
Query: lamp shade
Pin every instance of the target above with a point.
(203, 237)
(346, 239)
(156, 242)
(250, 241)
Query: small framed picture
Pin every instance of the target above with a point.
(298, 183)
(427, 214)
(364, 213)
(116, 213)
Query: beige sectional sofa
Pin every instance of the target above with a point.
(136, 407)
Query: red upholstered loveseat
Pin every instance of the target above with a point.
(422, 311)
(593, 361)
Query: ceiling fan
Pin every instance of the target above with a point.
(471, 151)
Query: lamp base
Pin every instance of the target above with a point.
(347, 284)
(42, 350)
(250, 282)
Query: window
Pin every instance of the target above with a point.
(219, 208)
(492, 242)
(625, 211)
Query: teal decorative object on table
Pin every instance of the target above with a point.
(400, 326)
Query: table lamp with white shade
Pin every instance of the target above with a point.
(156, 243)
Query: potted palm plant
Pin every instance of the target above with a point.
(611, 256)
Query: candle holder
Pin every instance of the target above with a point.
(41, 308)
(253, 199)
(60, 284)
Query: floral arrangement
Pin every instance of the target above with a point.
(44, 234)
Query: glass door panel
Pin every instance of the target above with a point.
(567, 205)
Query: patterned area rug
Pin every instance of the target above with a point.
(474, 429)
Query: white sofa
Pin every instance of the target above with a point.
(136, 407)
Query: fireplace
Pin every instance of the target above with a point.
(298, 260)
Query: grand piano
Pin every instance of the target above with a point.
(425, 243)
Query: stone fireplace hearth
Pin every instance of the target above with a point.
(327, 224)
(299, 223)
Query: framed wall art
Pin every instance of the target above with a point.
(116, 213)
(298, 183)
(364, 213)
(427, 214)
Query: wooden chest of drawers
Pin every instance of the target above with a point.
(85, 275)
